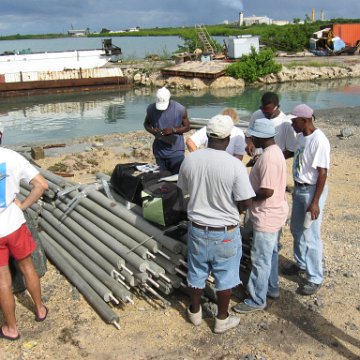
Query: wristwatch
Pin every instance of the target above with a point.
(174, 130)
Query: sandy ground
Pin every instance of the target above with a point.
(325, 326)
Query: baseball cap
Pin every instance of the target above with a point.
(219, 126)
(303, 111)
(262, 128)
(162, 98)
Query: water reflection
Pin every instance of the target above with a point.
(57, 117)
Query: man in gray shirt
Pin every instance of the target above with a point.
(218, 185)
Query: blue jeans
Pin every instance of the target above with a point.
(171, 164)
(264, 276)
(307, 242)
(218, 252)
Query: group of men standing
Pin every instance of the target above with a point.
(220, 189)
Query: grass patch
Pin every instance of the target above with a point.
(294, 64)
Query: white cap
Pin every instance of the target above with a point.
(162, 99)
(219, 126)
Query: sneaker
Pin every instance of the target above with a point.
(309, 288)
(243, 308)
(222, 326)
(273, 296)
(292, 270)
(195, 318)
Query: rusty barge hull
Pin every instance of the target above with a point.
(62, 86)
(40, 82)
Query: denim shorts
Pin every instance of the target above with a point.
(215, 252)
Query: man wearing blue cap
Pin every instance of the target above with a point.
(311, 164)
(218, 185)
(268, 213)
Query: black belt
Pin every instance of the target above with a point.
(301, 184)
(211, 228)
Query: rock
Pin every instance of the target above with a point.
(264, 326)
(346, 132)
(225, 82)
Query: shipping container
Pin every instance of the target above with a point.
(349, 33)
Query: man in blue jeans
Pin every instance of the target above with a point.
(167, 120)
(268, 213)
(218, 185)
(311, 163)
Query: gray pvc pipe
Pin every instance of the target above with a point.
(118, 223)
(88, 228)
(80, 262)
(86, 236)
(137, 221)
(85, 289)
(103, 291)
(107, 259)
(107, 228)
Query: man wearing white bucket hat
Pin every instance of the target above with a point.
(268, 213)
(167, 120)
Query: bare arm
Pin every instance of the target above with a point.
(39, 185)
(148, 127)
(263, 194)
(320, 184)
(191, 145)
(243, 205)
(185, 127)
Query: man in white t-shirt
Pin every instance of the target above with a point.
(218, 185)
(236, 145)
(311, 164)
(268, 213)
(15, 237)
(285, 136)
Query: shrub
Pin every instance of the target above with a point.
(255, 65)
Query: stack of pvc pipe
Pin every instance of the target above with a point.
(106, 250)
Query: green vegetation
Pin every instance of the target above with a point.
(290, 38)
(255, 65)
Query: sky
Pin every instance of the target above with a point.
(57, 16)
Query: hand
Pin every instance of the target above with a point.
(166, 131)
(314, 210)
(18, 203)
(154, 131)
(250, 149)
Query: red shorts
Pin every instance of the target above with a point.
(18, 244)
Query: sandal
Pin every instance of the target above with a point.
(38, 318)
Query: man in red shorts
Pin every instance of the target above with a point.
(15, 237)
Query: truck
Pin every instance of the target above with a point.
(336, 39)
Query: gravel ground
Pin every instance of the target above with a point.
(325, 326)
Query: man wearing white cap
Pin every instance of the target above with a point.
(268, 214)
(218, 186)
(167, 120)
(311, 164)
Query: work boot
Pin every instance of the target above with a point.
(292, 270)
(222, 326)
(309, 288)
(195, 318)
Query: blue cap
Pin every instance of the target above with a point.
(262, 128)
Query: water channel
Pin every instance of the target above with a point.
(57, 117)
